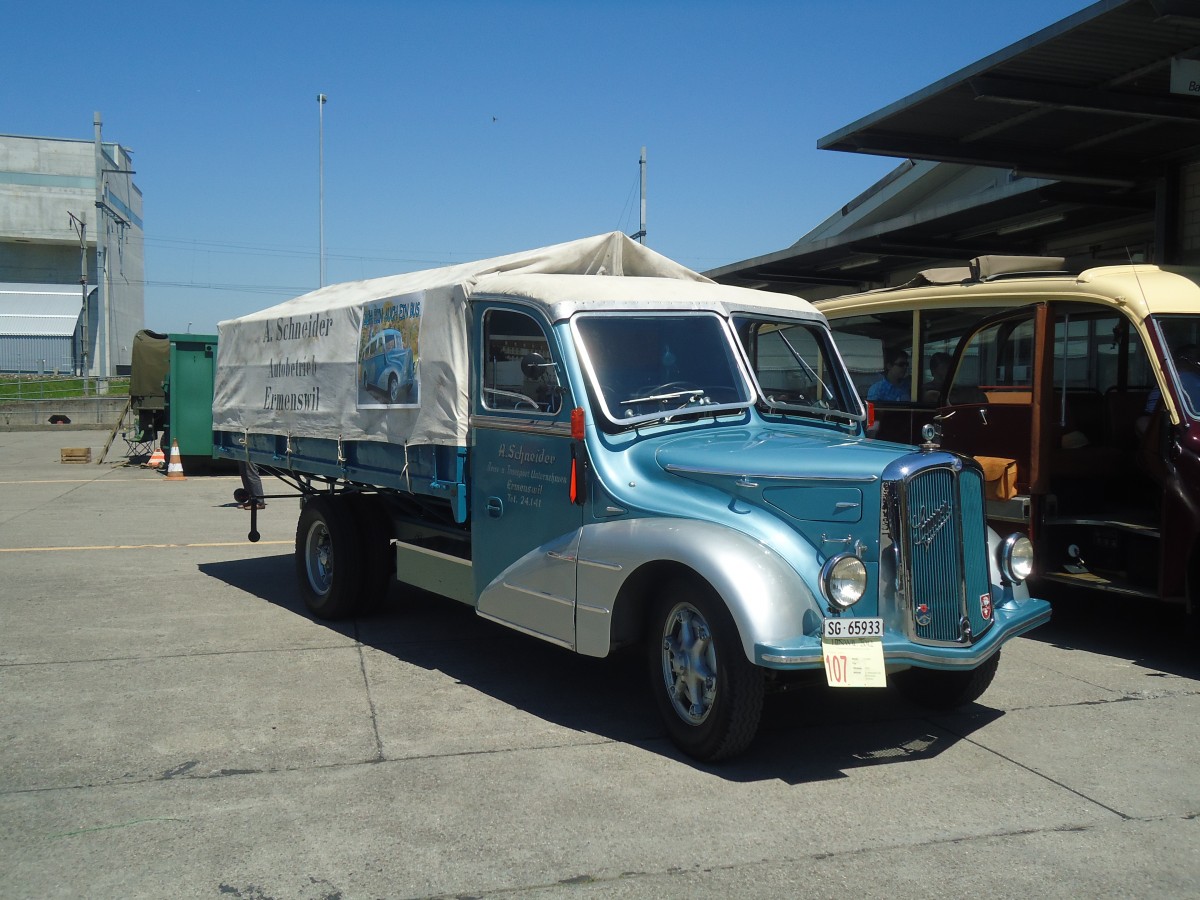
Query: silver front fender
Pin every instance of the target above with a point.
(768, 598)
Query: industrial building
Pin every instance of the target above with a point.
(72, 265)
(1082, 141)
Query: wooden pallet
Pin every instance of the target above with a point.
(76, 454)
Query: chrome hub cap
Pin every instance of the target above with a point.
(689, 664)
(318, 551)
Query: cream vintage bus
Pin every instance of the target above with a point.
(1077, 388)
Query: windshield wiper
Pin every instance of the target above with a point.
(809, 369)
(815, 412)
(682, 413)
(674, 395)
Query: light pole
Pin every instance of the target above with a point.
(80, 224)
(321, 176)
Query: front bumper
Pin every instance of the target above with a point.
(1011, 619)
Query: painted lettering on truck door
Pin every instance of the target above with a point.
(525, 527)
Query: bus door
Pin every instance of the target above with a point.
(991, 405)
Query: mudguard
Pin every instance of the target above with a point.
(768, 597)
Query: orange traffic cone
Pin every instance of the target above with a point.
(156, 460)
(175, 469)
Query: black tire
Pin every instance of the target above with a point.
(329, 558)
(935, 689)
(241, 495)
(378, 559)
(1191, 608)
(393, 389)
(710, 696)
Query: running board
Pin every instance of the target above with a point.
(1095, 582)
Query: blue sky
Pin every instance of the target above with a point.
(461, 130)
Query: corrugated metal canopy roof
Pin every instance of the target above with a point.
(1080, 113)
(49, 310)
(1085, 100)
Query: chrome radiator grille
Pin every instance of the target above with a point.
(937, 523)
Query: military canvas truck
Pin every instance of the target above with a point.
(602, 449)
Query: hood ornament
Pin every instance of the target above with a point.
(932, 433)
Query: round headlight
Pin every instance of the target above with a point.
(1016, 558)
(844, 580)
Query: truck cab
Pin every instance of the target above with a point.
(652, 461)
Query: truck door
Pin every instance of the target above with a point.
(525, 525)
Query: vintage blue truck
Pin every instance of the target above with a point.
(603, 449)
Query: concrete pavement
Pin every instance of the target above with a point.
(174, 724)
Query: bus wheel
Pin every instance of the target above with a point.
(328, 558)
(1191, 622)
(709, 695)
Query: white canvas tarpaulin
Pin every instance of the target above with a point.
(385, 359)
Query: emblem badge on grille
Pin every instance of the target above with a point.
(922, 617)
(985, 606)
(925, 526)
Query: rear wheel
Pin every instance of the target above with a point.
(329, 563)
(378, 559)
(946, 690)
(708, 693)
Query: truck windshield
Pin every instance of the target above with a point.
(660, 366)
(795, 367)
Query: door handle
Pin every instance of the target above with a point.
(494, 507)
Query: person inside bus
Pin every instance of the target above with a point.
(893, 386)
(939, 365)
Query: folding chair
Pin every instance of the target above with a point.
(139, 440)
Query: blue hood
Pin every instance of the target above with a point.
(776, 453)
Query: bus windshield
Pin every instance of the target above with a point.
(1181, 336)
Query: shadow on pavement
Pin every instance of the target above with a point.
(1147, 633)
(809, 733)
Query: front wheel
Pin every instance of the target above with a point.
(329, 563)
(935, 689)
(708, 693)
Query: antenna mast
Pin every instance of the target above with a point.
(640, 237)
(321, 180)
